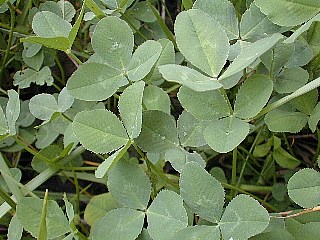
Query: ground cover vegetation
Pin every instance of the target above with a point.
(127, 119)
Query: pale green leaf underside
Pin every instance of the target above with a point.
(3, 123)
(223, 12)
(49, 25)
(206, 46)
(244, 217)
(250, 53)
(155, 98)
(158, 132)
(121, 223)
(188, 77)
(99, 131)
(24, 78)
(223, 135)
(65, 100)
(95, 81)
(12, 110)
(143, 60)
(314, 118)
(15, 229)
(199, 232)
(304, 188)
(105, 165)
(130, 107)
(203, 105)
(135, 185)
(201, 192)
(164, 219)
(252, 96)
(43, 105)
(289, 12)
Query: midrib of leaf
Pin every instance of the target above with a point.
(165, 216)
(135, 69)
(304, 4)
(56, 32)
(159, 135)
(256, 26)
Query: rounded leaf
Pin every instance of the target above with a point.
(199, 232)
(43, 105)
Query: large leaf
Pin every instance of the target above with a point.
(304, 188)
(158, 132)
(288, 12)
(250, 53)
(223, 135)
(201, 192)
(244, 217)
(95, 82)
(223, 12)
(203, 105)
(121, 223)
(130, 107)
(12, 110)
(252, 96)
(49, 25)
(282, 121)
(199, 232)
(143, 60)
(155, 98)
(206, 46)
(57, 223)
(99, 131)
(112, 40)
(188, 77)
(135, 185)
(164, 219)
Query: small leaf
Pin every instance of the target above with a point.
(164, 219)
(282, 121)
(206, 46)
(99, 131)
(314, 118)
(284, 159)
(130, 107)
(143, 60)
(306, 102)
(199, 232)
(75, 28)
(154, 98)
(59, 43)
(112, 40)
(43, 105)
(203, 105)
(158, 132)
(223, 135)
(188, 77)
(243, 218)
(121, 223)
(287, 12)
(15, 229)
(24, 78)
(250, 53)
(42, 234)
(67, 10)
(201, 192)
(49, 25)
(135, 185)
(304, 188)
(65, 100)
(95, 82)
(252, 96)
(12, 110)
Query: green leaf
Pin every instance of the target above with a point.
(284, 159)
(141, 11)
(301, 56)
(112, 40)
(254, 24)
(67, 10)
(59, 43)
(223, 12)
(244, 217)
(15, 229)
(223, 135)
(65, 100)
(158, 132)
(290, 79)
(43, 105)
(49, 25)
(288, 12)
(201, 192)
(306, 102)
(308, 231)
(203, 105)
(250, 53)
(130, 107)
(121, 223)
(282, 121)
(95, 82)
(188, 77)
(57, 223)
(42, 233)
(199, 232)
(304, 188)
(75, 28)
(135, 185)
(206, 46)
(95, 8)
(164, 219)
(190, 130)
(252, 96)
(143, 60)
(314, 118)
(24, 78)
(99, 131)
(12, 111)
(154, 98)
(98, 207)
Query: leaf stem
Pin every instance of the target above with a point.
(234, 171)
